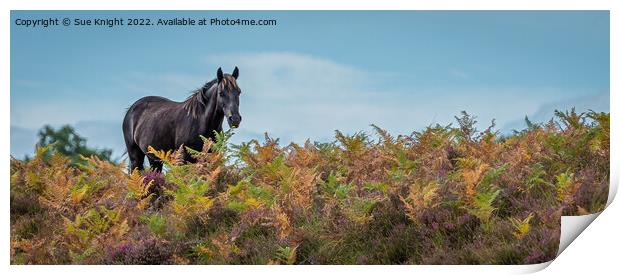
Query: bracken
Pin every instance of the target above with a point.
(444, 195)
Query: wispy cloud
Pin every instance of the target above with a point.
(171, 84)
(303, 96)
(598, 102)
(298, 96)
(460, 74)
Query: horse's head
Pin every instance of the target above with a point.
(228, 96)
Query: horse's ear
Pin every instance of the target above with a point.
(235, 73)
(220, 74)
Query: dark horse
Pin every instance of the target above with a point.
(166, 125)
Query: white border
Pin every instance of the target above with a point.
(295, 5)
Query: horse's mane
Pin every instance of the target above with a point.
(194, 103)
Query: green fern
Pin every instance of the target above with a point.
(286, 255)
(522, 227)
(156, 223)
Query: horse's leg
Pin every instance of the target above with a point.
(136, 158)
(187, 157)
(156, 164)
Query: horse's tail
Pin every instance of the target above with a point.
(128, 127)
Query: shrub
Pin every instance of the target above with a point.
(444, 195)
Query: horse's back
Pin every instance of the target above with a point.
(151, 103)
(148, 100)
(148, 113)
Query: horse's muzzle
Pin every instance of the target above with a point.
(234, 121)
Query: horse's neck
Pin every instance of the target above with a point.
(213, 117)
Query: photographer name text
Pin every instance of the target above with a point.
(139, 22)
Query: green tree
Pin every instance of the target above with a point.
(66, 141)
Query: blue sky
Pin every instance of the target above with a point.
(315, 71)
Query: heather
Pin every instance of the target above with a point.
(451, 194)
